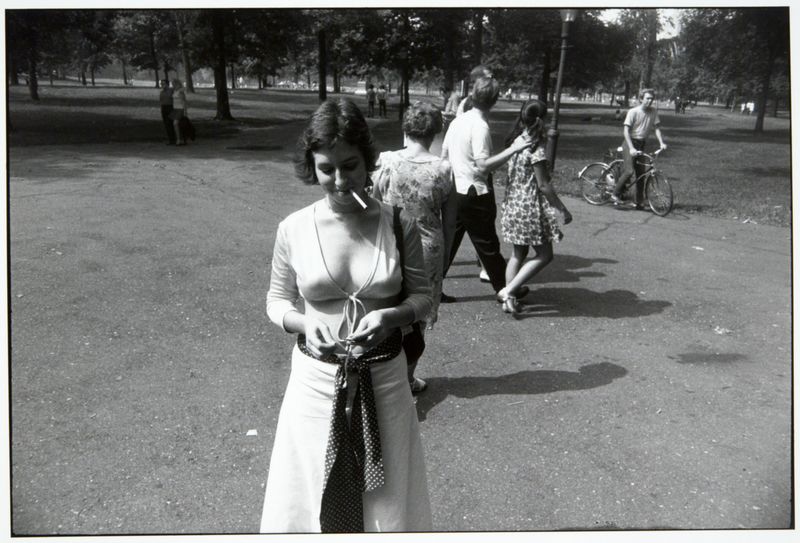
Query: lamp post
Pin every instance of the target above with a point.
(567, 16)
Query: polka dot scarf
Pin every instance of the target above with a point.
(353, 459)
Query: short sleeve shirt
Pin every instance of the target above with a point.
(641, 122)
(467, 140)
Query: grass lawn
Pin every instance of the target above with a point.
(715, 162)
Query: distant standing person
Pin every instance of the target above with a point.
(165, 98)
(381, 100)
(529, 210)
(639, 123)
(450, 106)
(179, 110)
(371, 100)
(421, 183)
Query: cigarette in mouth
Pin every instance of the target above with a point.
(358, 199)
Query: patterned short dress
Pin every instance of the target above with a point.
(528, 218)
(420, 187)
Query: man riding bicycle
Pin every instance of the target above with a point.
(639, 122)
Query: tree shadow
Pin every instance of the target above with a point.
(735, 135)
(521, 382)
(581, 302)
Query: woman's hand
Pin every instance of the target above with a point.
(522, 141)
(372, 330)
(318, 338)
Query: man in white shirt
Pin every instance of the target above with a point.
(468, 147)
(638, 124)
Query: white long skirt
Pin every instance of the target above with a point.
(297, 467)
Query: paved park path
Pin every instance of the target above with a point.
(647, 383)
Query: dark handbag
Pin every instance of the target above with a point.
(413, 341)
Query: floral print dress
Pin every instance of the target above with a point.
(420, 186)
(528, 218)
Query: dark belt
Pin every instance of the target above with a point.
(353, 460)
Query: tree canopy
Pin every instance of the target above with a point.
(721, 55)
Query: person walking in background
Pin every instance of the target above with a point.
(468, 147)
(179, 110)
(450, 107)
(421, 183)
(347, 453)
(639, 122)
(465, 104)
(371, 100)
(165, 99)
(529, 209)
(381, 94)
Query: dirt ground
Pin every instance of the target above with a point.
(647, 384)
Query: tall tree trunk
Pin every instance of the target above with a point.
(323, 62)
(83, 73)
(124, 72)
(450, 58)
(33, 59)
(650, 47)
(185, 59)
(626, 100)
(544, 84)
(154, 58)
(220, 79)
(775, 102)
(91, 71)
(13, 70)
(477, 36)
(233, 76)
(337, 87)
(761, 105)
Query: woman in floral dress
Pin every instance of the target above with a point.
(529, 209)
(421, 183)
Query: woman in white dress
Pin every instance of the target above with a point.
(347, 455)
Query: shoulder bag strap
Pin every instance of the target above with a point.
(401, 246)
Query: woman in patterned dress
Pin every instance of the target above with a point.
(529, 209)
(421, 183)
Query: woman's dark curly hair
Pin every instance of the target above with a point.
(334, 120)
(422, 121)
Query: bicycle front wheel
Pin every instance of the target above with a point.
(594, 184)
(659, 194)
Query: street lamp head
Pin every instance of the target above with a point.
(568, 15)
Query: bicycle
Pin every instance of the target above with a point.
(598, 180)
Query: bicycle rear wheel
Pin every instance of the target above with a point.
(594, 185)
(659, 194)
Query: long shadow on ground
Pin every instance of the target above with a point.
(521, 382)
(581, 302)
(562, 270)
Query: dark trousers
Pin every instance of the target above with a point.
(168, 126)
(382, 108)
(475, 216)
(370, 109)
(631, 167)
